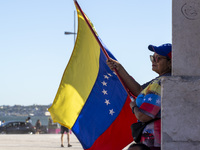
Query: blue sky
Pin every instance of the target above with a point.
(34, 50)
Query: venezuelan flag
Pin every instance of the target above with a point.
(90, 100)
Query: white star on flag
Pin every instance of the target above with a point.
(107, 102)
(150, 99)
(111, 112)
(109, 74)
(105, 76)
(104, 83)
(104, 92)
(158, 101)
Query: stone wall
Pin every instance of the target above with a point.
(180, 113)
(181, 92)
(186, 37)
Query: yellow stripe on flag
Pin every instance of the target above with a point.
(78, 78)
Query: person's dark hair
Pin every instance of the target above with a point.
(142, 146)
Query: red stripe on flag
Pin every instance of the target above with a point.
(150, 108)
(119, 134)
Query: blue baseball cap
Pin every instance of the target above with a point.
(164, 50)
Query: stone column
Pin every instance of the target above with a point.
(181, 92)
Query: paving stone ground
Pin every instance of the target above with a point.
(37, 142)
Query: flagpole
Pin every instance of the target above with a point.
(100, 44)
(103, 49)
(74, 26)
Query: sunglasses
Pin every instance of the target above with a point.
(157, 59)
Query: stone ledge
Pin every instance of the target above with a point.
(180, 109)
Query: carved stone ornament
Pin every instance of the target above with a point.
(191, 9)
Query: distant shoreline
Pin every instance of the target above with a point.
(25, 111)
